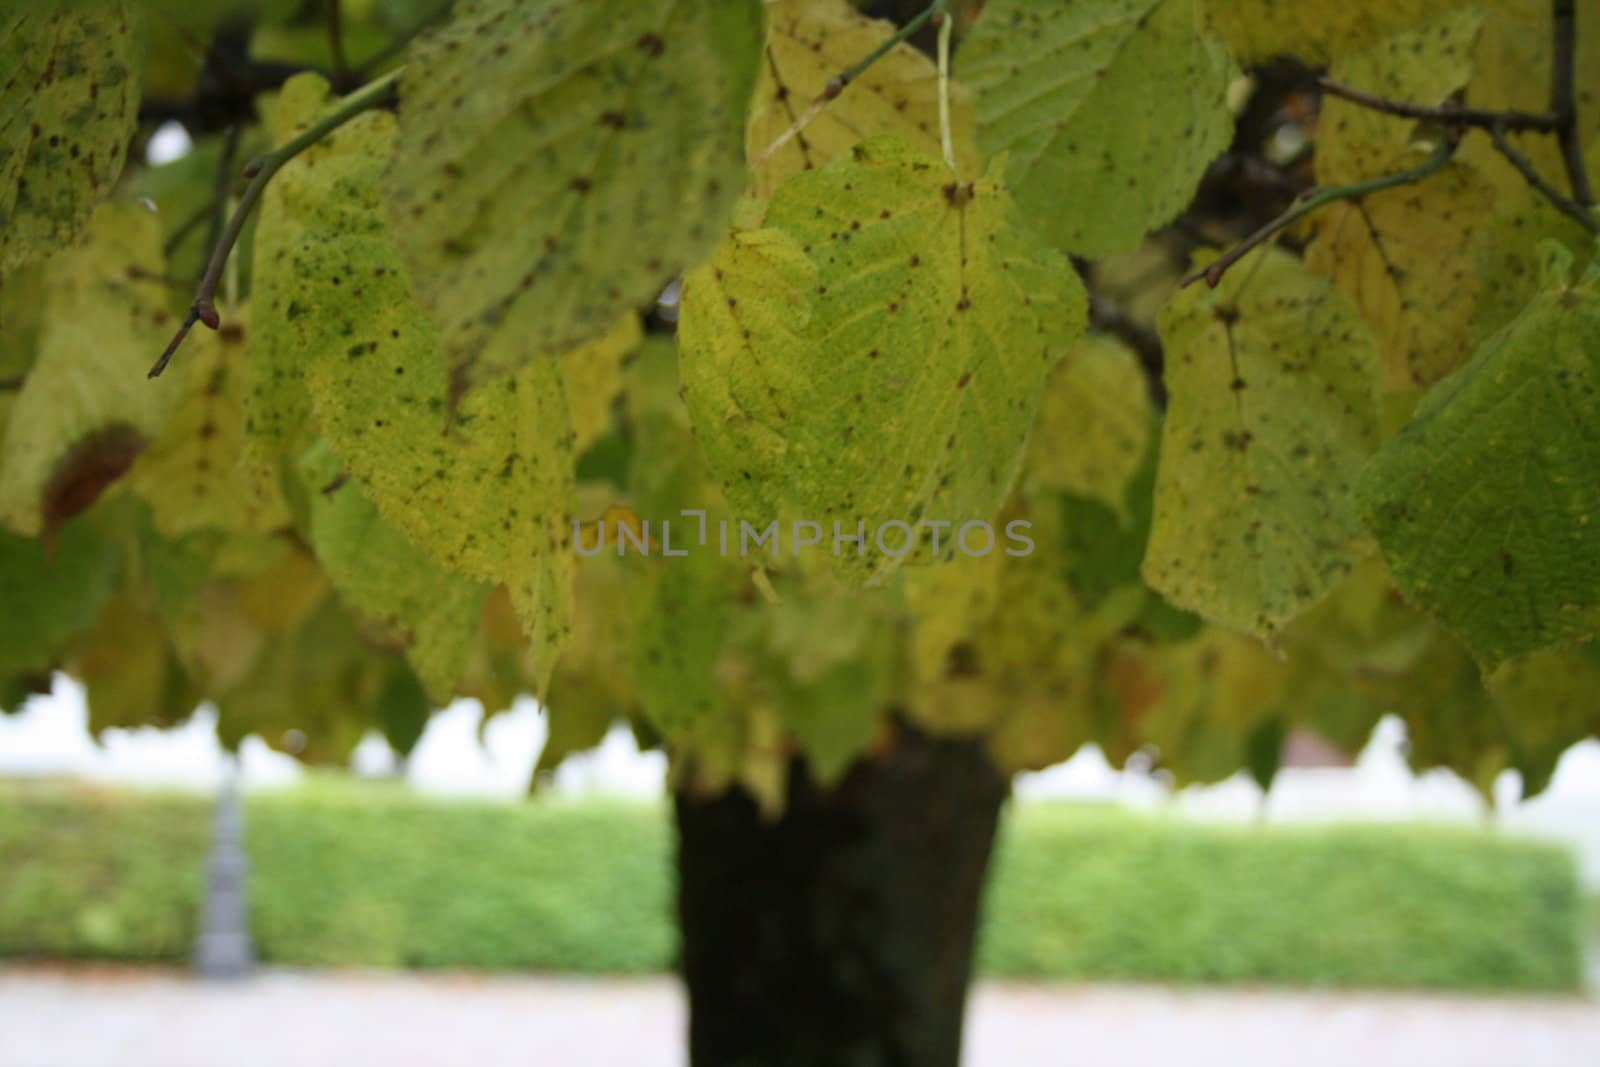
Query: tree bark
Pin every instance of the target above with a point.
(841, 934)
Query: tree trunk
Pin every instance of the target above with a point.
(840, 935)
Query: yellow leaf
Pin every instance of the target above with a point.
(1405, 257)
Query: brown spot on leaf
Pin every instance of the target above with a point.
(88, 469)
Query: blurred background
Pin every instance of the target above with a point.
(426, 910)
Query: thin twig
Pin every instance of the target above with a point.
(1444, 114)
(341, 63)
(839, 82)
(141, 274)
(1529, 174)
(260, 171)
(1316, 198)
(224, 179)
(402, 42)
(186, 227)
(1564, 98)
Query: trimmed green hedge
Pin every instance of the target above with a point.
(378, 877)
(1376, 905)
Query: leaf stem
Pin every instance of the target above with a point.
(1313, 199)
(839, 82)
(260, 171)
(946, 26)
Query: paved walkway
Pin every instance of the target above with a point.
(100, 1017)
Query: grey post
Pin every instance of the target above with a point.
(224, 949)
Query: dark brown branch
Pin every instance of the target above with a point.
(12, 385)
(1315, 198)
(1564, 98)
(1565, 205)
(1444, 114)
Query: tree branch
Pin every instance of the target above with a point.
(1525, 167)
(341, 62)
(260, 171)
(13, 384)
(1564, 98)
(1444, 114)
(1561, 119)
(1315, 198)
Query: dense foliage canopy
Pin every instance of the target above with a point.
(744, 372)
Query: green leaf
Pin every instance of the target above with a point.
(1273, 411)
(558, 163)
(1094, 423)
(424, 610)
(196, 474)
(130, 675)
(678, 608)
(592, 374)
(1209, 701)
(808, 43)
(1002, 643)
(830, 663)
(488, 494)
(312, 693)
(402, 709)
(50, 600)
(1450, 719)
(21, 305)
(1314, 31)
(875, 354)
(318, 273)
(68, 106)
(487, 489)
(1405, 258)
(1109, 110)
(593, 684)
(86, 408)
(1486, 505)
(1509, 253)
(1551, 701)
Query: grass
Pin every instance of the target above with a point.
(371, 876)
